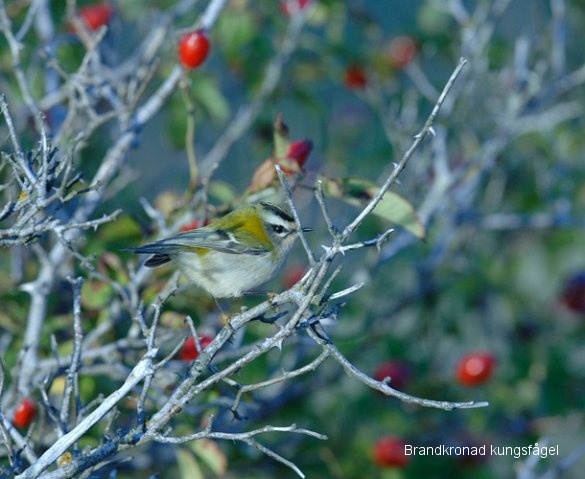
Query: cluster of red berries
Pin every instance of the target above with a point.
(401, 52)
(472, 370)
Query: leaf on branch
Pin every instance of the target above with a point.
(207, 94)
(264, 176)
(124, 230)
(222, 191)
(392, 207)
(7, 323)
(209, 452)
(110, 265)
(96, 294)
(188, 465)
(290, 156)
(281, 138)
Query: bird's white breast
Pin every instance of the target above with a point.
(225, 275)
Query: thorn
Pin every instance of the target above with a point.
(383, 238)
(272, 319)
(238, 416)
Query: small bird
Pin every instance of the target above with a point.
(234, 253)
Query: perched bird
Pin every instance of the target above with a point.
(234, 253)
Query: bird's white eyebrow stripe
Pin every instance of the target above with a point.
(278, 212)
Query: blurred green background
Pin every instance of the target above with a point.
(502, 242)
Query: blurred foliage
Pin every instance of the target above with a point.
(461, 288)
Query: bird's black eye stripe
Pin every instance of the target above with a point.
(278, 229)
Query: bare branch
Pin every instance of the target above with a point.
(418, 138)
(140, 371)
(384, 388)
(72, 382)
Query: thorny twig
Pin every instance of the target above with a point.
(72, 382)
(312, 300)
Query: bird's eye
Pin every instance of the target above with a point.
(278, 229)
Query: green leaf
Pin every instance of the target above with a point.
(188, 465)
(235, 29)
(122, 230)
(206, 93)
(8, 323)
(392, 207)
(211, 455)
(222, 192)
(96, 294)
(281, 138)
(270, 195)
(397, 210)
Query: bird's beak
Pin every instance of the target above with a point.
(306, 230)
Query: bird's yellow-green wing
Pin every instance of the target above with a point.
(202, 238)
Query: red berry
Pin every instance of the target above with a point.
(286, 10)
(293, 275)
(573, 295)
(96, 16)
(398, 371)
(402, 51)
(297, 155)
(475, 368)
(189, 350)
(389, 452)
(193, 49)
(299, 151)
(193, 225)
(355, 77)
(25, 413)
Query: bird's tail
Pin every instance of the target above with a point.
(161, 253)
